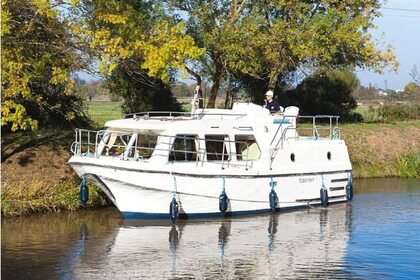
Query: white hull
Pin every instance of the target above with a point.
(248, 154)
(140, 193)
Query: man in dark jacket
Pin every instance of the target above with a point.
(271, 104)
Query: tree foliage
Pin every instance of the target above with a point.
(268, 40)
(38, 56)
(143, 44)
(140, 48)
(140, 92)
(135, 31)
(329, 93)
(412, 92)
(412, 89)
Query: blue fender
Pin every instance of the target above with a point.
(223, 202)
(273, 200)
(173, 210)
(349, 191)
(324, 197)
(84, 192)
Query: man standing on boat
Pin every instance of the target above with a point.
(271, 104)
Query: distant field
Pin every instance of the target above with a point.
(101, 112)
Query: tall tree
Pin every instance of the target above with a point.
(139, 41)
(268, 40)
(139, 91)
(327, 93)
(38, 56)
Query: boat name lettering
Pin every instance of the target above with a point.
(306, 180)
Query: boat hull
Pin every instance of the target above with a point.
(147, 194)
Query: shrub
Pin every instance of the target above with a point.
(391, 113)
(409, 165)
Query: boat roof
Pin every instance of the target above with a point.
(241, 115)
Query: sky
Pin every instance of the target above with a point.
(399, 26)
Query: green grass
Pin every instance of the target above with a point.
(101, 112)
(408, 165)
(186, 107)
(401, 124)
(389, 113)
(22, 199)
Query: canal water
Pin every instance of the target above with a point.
(376, 236)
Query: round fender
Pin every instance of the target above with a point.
(349, 191)
(84, 192)
(324, 197)
(273, 200)
(173, 210)
(223, 202)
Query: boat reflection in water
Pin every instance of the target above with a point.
(301, 244)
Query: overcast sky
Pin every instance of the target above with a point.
(400, 27)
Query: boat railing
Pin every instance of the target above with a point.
(91, 143)
(84, 142)
(170, 115)
(322, 127)
(318, 124)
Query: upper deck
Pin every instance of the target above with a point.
(241, 113)
(244, 134)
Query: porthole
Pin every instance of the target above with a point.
(329, 155)
(292, 157)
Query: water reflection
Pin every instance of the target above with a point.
(376, 236)
(84, 232)
(295, 244)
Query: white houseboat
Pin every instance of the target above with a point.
(214, 162)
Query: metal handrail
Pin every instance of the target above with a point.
(77, 147)
(174, 114)
(334, 131)
(314, 126)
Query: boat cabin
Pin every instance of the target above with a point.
(237, 137)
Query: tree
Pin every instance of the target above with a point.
(140, 92)
(328, 93)
(412, 92)
(415, 75)
(268, 40)
(137, 42)
(38, 56)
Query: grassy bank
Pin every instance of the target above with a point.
(100, 112)
(384, 150)
(36, 178)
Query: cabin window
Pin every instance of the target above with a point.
(217, 147)
(184, 148)
(116, 143)
(144, 146)
(247, 147)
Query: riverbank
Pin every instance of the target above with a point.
(384, 149)
(36, 178)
